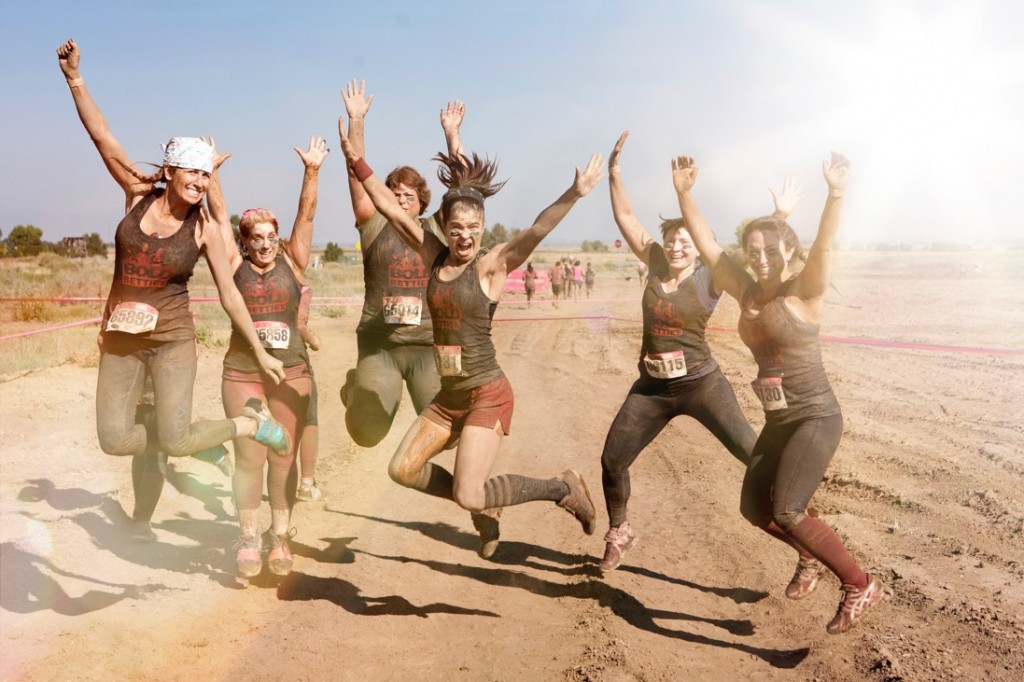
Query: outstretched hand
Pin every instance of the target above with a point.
(346, 144)
(786, 200)
(588, 178)
(315, 155)
(837, 174)
(613, 160)
(68, 58)
(218, 159)
(357, 104)
(451, 116)
(684, 173)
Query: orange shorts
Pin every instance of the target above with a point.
(484, 406)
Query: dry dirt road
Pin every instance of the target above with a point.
(926, 487)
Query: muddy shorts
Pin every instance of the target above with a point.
(483, 406)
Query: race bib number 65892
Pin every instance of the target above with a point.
(132, 318)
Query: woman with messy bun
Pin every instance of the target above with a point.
(147, 327)
(475, 402)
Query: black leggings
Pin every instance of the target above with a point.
(787, 464)
(649, 407)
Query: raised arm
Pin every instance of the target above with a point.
(512, 254)
(301, 240)
(785, 201)
(219, 209)
(814, 278)
(632, 231)
(451, 121)
(357, 105)
(727, 276)
(409, 228)
(111, 151)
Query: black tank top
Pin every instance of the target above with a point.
(674, 323)
(149, 295)
(272, 299)
(462, 315)
(395, 281)
(786, 349)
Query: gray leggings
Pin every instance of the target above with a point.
(122, 375)
(649, 407)
(376, 392)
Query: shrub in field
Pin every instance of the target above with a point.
(333, 253)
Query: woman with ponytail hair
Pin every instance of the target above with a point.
(147, 327)
(475, 402)
(780, 313)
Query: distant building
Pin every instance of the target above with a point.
(76, 247)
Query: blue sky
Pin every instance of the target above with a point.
(924, 97)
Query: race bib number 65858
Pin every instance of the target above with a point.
(273, 334)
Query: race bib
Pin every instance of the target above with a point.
(669, 365)
(448, 360)
(132, 318)
(769, 391)
(273, 334)
(402, 309)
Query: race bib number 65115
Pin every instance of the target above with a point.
(670, 365)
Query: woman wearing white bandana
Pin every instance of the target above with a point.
(147, 325)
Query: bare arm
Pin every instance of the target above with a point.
(301, 240)
(219, 209)
(408, 227)
(813, 280)
(357, 105)
(727, 276)
(111, 151)
(451, 121)
(632, 230)
(231, 300)
(510, 255)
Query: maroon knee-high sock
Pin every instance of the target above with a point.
(821, 541)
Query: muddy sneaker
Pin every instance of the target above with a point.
(269, 432)
(142, 532)
(249, 560)
(350, 378)
(486, 523)
(578, 502)
(309, 493)
(855, 602)
(617, 542)
(280, 558)
(217, 456)
(805, 579)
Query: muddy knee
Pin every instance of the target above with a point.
(788, 520)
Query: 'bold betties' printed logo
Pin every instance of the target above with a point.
(446, 313)
(767, 354)
(263, 296)
(407, 271)
(665, 321)
(146, 269)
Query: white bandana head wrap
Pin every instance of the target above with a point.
(189, 152)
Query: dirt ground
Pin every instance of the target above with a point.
(926, 487)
